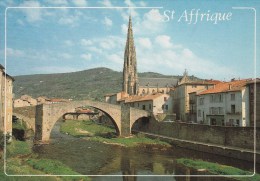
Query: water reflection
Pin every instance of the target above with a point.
(93, 158)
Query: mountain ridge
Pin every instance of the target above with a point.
(86, 84)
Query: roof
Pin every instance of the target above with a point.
(143, 98)
(2, 67)
(232, 86)
(257, 80)
(160, 82)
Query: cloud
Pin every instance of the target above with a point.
(86, 42)
(68, 43)
(65, 56)
(52, 69)
(164, 41)
(106, 3)
(86, 56)
(144, 43)
(32, 14)
(115, 58)
(57, 2)
(107, 22)
(80, 2)
(14, 53)
(129, 3)
(142, 3)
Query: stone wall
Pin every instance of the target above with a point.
(241, 137)
(27, 114)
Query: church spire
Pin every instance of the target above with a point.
(130, 79)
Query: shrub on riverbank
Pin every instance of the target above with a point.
(217, 169)
(105, 134)
(21, 161)
(84, 128)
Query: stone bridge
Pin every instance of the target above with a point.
(46, 115)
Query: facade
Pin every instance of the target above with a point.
(181, 98)
(226, 104)
(254, 102)
(6, 102)
(25, 100)
(155, 103)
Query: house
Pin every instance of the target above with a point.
(6, 100)
(225, 104)
(181, 98)
(25, 100)
(254, 102)
(156, 103)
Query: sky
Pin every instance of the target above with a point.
(168, 37)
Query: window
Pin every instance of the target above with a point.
(138, 104)
(220, 98)
(162, 106)
(201, 101)
(220, 110)
(237, 122)
(233, 108)
(143, 107)
(199, 113)
(232, 97)
(143, 91)
(166, 107)
(150, 106)
(165, 98)
(211, 98)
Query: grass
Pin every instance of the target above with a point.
(21, 161)
(217, 169)
(84, 128)
(19, 125)
(17, 148)
(105, 134)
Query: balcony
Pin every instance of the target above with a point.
(233, 113)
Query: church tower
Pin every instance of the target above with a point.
(130, 79)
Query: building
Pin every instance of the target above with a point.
(181, 95)
(225, 104)
(254, 102)
(6, 100)
(130, 78)
(156, 103)
(25, 100)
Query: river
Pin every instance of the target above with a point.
(94, 158)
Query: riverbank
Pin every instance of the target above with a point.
(208, 168)
(21, 162)
(91, 131)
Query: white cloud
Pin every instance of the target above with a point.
(129, 3)
(86, 56)
(95, 49)
(14, 53)
(52, 69)
(144, 43)
(80, 2)
(142, 3)
(107, 22)
(32, 14)
(86, 42)
(115, 58)
(68, 43)
(106, 3)
(65, 56)
(57, 2)
(164, 41)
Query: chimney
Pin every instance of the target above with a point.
(229, 86)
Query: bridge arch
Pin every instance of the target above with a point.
(48, 114)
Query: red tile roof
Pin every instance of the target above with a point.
(235, 85)
(142, 98)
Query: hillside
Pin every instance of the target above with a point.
(87, 84)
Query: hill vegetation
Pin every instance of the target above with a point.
(88, 84)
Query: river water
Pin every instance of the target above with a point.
(94, 158)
